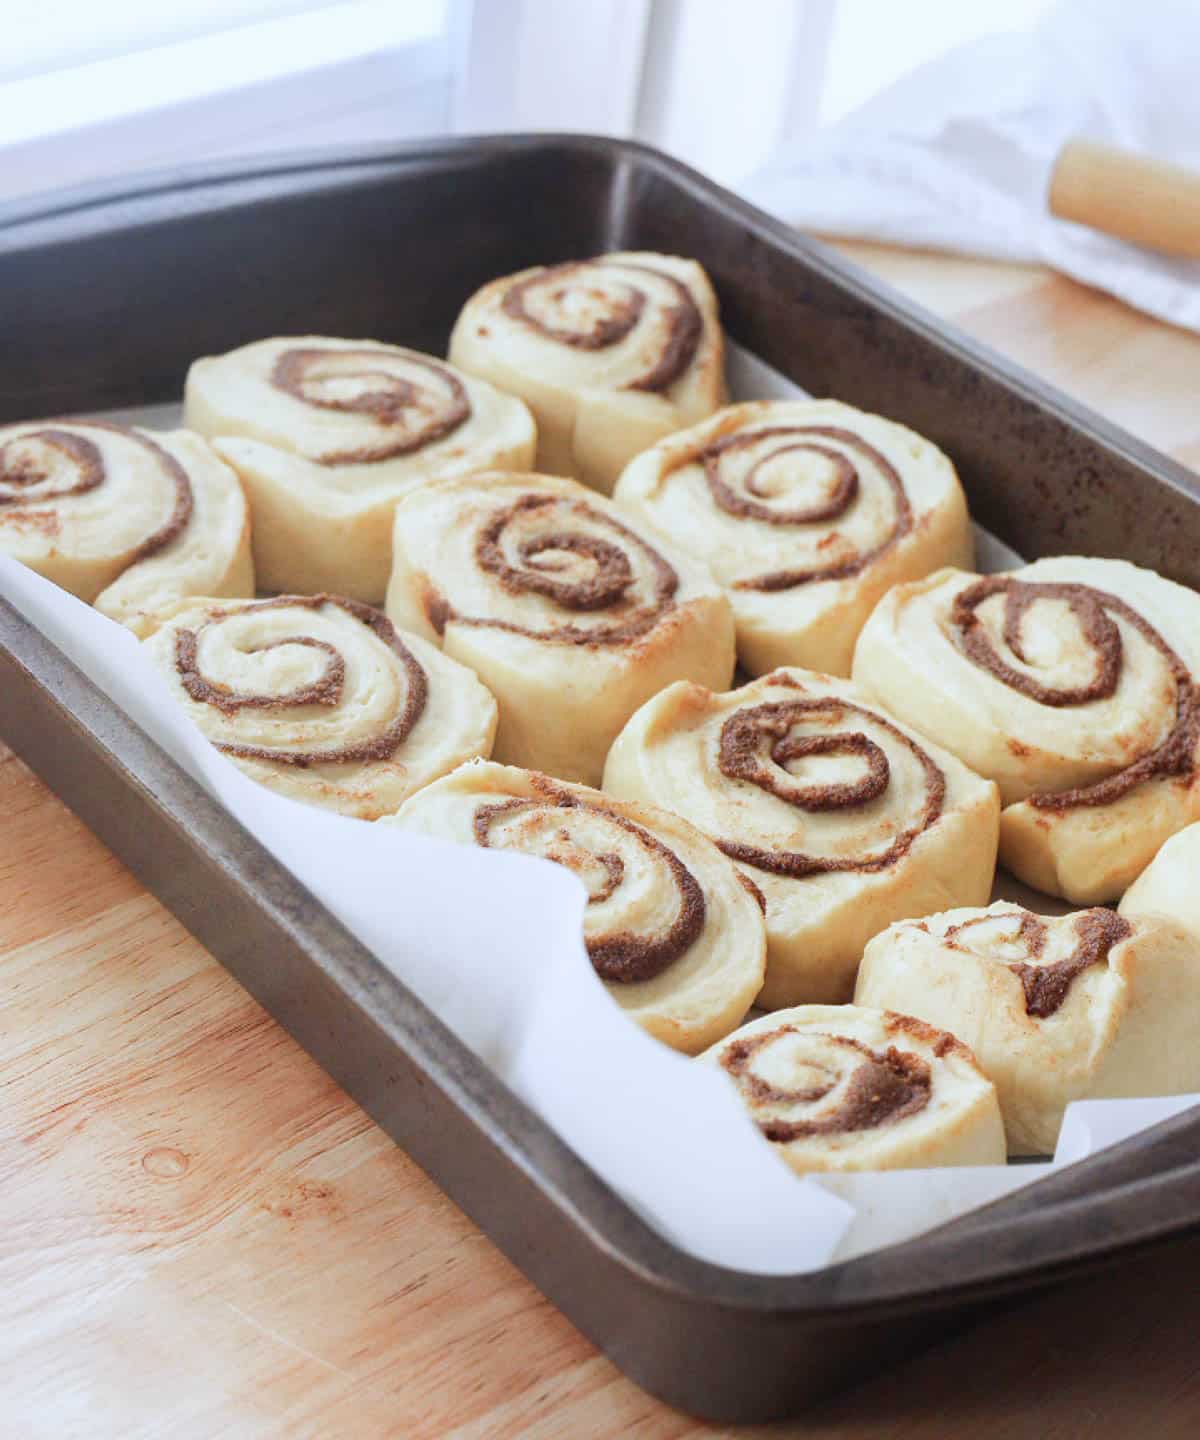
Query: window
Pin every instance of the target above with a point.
(93, 91)
(722, 85)
(90, 90)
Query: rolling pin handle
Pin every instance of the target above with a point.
(1133, 197)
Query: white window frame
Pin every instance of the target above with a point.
(333, 75)
(724, 84)
(720, 83)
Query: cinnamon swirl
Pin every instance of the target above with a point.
(805, 512)
(322, 698)
(1083, 1006)
(844, 1087)
(1072, 684)
(125, 519)
(611, 354)
(328, 434)
(842, 817)
(671, 930)
(567, 612)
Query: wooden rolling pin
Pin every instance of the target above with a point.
(1147, 202)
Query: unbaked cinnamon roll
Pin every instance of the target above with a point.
(1085, 1006)
(844, 1087)
(328, 434)
(611, 354)
(322, 699)
(671, 930)
(1170, 884)
(842, 817)
(567, 612)
(125, 519)
(1072, 684)
(806, 512)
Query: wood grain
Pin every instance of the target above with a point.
(200, 1235)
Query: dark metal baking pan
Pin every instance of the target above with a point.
(106, 296)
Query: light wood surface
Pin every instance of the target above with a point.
(200, 1235)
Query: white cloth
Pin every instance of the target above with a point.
(957, 155)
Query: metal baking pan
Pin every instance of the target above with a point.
(107, 294)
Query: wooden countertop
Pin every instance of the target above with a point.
(200, 1235)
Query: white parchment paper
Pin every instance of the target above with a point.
(493, 943)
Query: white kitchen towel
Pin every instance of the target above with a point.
(957, 155)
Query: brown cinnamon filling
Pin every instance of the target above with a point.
(1093, 611)
(420, 414)
(624, 311)
(326, 690)
(613, 865)
(540, 559)
(1031, 930)
(1046, 986)
(883, 1087)
(682, 321)
(621, 957)
(845, 490)
(19, 475)
(85, 458)
(752, 890)
(756, 744)
(605, 587)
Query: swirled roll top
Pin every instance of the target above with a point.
(671, 930)
(125, 519)
(844, 1087)
(611, 354)
(569, 614)
(806, 512)
(327, 434)
(1073, 684)
(322, 699)
(843, 818)
(1090, 1005)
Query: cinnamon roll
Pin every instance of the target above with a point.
(1072, 684)
(806, 512)
(322, 699)
(844, 1087)
(328, 434)
(568, 613)
(1085, 1006)
(611, 354)
(671, 930)
(1170, 884)
(125, 519)
(842, 818)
